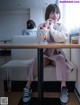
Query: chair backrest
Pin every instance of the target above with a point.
(23, 54)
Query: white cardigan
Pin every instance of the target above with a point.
(59, 34)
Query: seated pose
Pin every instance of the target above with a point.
(30, 29)
(53, 32)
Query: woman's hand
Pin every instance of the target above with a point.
(50, 23)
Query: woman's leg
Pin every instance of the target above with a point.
(32, 74)
(35, 71)
(61, 70)
(63, 83)
(45, 63)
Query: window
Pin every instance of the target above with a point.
(70, 16)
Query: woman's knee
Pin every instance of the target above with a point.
(59, 58)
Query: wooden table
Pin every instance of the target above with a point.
(40, 48)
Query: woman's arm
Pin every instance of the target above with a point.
(42, 33)
(60, 35)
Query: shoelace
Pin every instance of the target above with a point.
(65, 91)
(26, 92)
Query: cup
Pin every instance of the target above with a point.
(74, 40)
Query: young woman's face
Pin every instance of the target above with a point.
(54, 16)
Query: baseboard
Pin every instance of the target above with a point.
(5, 52)
(50, 86)
(77, 94)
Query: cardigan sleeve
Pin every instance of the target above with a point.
(60, 35)
(41, 33)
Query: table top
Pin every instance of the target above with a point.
(33, 46)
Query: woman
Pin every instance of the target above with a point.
(53, 32)
(30, 29)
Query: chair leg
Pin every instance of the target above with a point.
(9, 79)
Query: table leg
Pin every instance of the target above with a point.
(40, 75)
(9, 79)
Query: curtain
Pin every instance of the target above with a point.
(70, 16)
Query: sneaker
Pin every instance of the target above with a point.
(26, 94)
(64, 95)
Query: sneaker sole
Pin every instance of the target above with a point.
(26, 99)
(64, 101)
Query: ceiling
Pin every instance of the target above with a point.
(24, 4)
